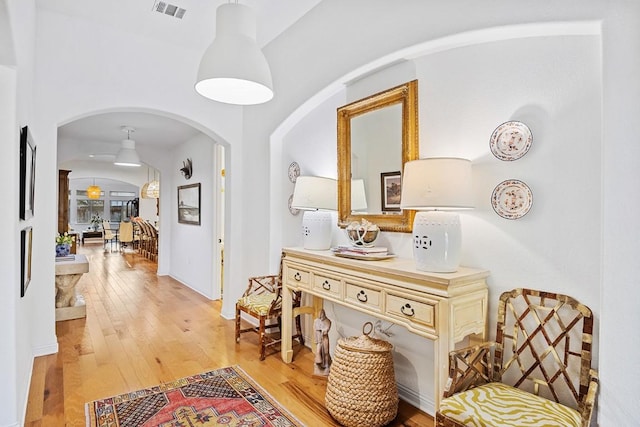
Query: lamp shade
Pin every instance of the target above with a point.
(143, 191)
(233, 69)
(127, 156)
(317, 196)
(93, 191)
(358, 195)
(153, 190)
(315, 193)
(437, 184)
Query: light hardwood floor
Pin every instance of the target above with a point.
(142, 329)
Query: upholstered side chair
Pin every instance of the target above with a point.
(262, 300)
(537, 372)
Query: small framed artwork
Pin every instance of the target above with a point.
(26, 236)
(391, 187)
(27, 173)
(189, 204)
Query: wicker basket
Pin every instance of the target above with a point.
(361, 388)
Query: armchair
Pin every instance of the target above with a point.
(537, 372)
(262, 300)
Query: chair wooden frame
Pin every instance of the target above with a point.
(262, 285)
(527, 318)
(108, 235)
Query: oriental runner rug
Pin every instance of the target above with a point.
(224, 397)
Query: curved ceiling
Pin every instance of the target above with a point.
(98, 137)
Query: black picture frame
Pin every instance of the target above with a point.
(26, 243)
(27, 173)
(189, 204)
(390, 188)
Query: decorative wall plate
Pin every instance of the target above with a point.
(512, 199)
(510, 141)
(293, 211)
(293, 172)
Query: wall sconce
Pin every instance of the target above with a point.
(436, 186)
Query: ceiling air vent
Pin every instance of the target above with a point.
(168, 9)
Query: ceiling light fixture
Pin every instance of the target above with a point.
(94, 191)
(233, 69)
(127, 156)
(153, 189)
(143, 190)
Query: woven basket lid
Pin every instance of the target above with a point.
(364, 343)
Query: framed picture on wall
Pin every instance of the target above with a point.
(391, 187)
(27, 173)
(189, 204)
(26, 237)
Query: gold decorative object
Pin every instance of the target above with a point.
(406, 96)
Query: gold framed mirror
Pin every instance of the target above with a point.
(377, 135)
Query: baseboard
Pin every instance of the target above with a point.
(44, 350)
(190, 287)
(419, 401)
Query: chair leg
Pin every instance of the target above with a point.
(263, 338)
(237, 324)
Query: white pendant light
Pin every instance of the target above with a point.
(233, 69)
(127, 156)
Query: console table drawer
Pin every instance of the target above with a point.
(364, 296)
(409, 309)
(298, 277)
(327, 285)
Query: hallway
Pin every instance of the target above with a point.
(142, 329)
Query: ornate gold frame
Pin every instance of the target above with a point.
(405, 94)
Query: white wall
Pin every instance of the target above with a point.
(82, 67)
(192, 246)
(553, 84)
(620, 289)
(19, 326)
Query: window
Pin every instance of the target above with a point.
(117, 210)
(83, 193)
(88, 208)
(129, 194)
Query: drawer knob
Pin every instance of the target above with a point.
(326, 285)
(362, 296)
(407, 310)
(297, 276)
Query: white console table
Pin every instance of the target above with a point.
(443, 307)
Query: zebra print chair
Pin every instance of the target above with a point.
(537, 372)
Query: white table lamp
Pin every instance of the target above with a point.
(317, 196)
(434, 187)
